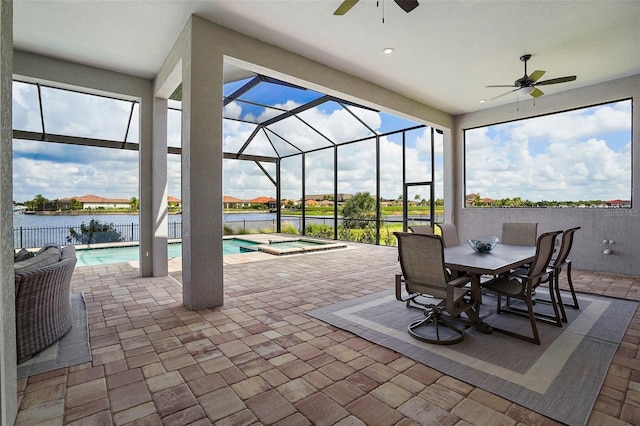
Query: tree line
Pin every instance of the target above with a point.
(519, 202)
(40, 203)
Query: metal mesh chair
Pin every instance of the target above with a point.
(449, 234)
(421, 229)
(557, 265)
(522, 287)
(519, 233)
(430, 288)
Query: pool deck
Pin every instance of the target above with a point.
(264, 251)
(260, 359)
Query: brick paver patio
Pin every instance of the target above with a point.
(260, 360)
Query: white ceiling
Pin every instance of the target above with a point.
(446, 52)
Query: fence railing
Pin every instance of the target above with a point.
(38, 236)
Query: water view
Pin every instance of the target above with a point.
(33, 220)
(32, 230)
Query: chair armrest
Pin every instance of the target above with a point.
(462, 281)
(399, 287)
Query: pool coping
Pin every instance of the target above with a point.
(263, 250)
(265, 241)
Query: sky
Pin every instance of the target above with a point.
(578, 155)
(113, 173)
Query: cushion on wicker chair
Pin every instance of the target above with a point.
(47, 257)
(23, 254)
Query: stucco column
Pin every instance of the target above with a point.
(202, 275)
(152, 189)
(8, 384)
(158, 190)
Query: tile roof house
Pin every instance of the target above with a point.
(91, 201)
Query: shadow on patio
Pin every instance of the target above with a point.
(260, 359)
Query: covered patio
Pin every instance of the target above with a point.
(261, 359)
(203, 341)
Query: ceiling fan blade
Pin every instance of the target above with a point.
(505, 93)
(503, 85)
(407, 5)
(556, 80)
(536, 93)
(345, 7)
(535, 76)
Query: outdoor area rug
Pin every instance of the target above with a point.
(560, 378)
(72, 349)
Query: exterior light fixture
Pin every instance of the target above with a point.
(388, 50)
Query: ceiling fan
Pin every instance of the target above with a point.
(406, 5)
(527, 84)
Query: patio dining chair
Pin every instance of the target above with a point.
(522, 287)
(429, 287)
(519, 233)
(557, 265)
(449, 234)
(421, 229)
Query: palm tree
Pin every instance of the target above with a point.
(359, 210)
(134, 204)
(39, 202)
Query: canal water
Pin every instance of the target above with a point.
(32, 230)
(33, 220)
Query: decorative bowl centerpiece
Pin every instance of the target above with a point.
(484, 244)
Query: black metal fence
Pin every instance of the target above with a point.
(37, 236)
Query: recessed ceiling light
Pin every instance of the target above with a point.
(388, 50)
(483, 101)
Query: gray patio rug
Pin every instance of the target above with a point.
(560, 379)
(72, 349)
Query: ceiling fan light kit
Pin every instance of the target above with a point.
(527, 84)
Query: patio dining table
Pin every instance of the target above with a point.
(503, 258)
(462, 259)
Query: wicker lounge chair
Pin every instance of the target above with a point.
(43, 309)
(430, 288)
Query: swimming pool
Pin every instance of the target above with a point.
(102, 256)
(278, 247)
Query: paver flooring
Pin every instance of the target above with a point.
(259, 359)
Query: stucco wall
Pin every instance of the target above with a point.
(8, 385)
(620, 225)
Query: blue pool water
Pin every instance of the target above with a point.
(102, 256)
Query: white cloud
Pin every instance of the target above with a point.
(114, 173)
(578, 155)
(59, 171)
